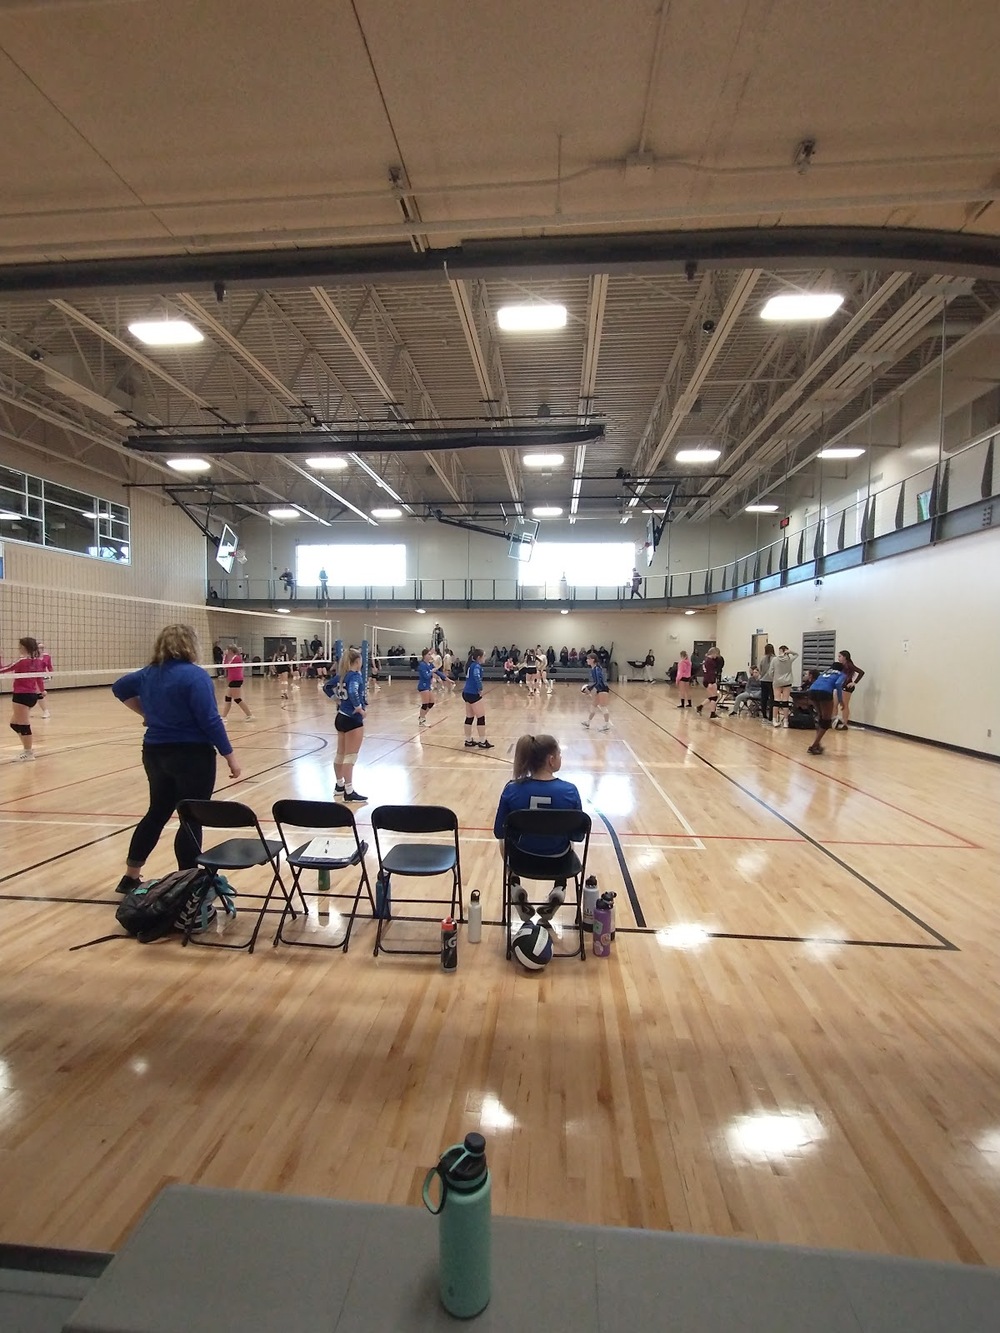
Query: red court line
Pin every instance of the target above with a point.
(731, 731)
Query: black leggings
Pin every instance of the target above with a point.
(175, 773)
(766, 700)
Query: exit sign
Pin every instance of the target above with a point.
(784, 522)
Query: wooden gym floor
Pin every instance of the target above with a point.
(795, 1040)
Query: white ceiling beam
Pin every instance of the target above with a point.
(597, 295)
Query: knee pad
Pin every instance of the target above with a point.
(825, 723)
(424, 708)
(481, 721)
(429, 706)
(21, 728)
(227, 698)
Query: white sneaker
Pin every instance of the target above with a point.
(422, 722)
(606, 727)
(585, 724)
(26, 756)
(46, 715)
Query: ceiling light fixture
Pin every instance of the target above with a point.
(283, 611)
(654, 511)
(840, 453)
(189, 464)
(761, 509)
(387, 513)
(697, 455)
(420, 611)
(542, 460)
(793, 307)
(546, 511)
(283, 511)
(330, 464)
(690, 613)
(564, 611)
(534, 318)
(166, 332)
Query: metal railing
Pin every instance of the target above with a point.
(966, 477)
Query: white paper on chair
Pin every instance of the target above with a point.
(329, 849)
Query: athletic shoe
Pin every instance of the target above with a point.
(552, 904)
(126, 884)
(471, 745)
(248, 717)
(339, 789)
(26, 756)
(681, 705)
(585, 724)
(486, 745)
(46, 715)
(421, 722)
(713, 717)
(700, 707)
(522, 905)
(815, 749)
(204, 923)
(606, 727)
(354, 796)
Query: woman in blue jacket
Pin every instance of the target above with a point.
(175, 699)
(823, 696)
(475, 709)
(348, 688)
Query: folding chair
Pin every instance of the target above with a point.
(571, 866)
(313, 855)
(417, 859)
(236, 854)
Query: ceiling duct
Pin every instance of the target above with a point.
(373, 441)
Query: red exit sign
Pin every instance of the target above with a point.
(784, 522)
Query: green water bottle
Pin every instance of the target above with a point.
(464, 1239)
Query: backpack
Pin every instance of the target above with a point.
(183, 900)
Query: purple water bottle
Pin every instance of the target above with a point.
(604, 924)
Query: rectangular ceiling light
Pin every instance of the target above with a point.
(546, 511)
(534, 318)
(542, 460)
(189, 464)
(387, 513)
(840, 453)
(697, 455)
(166, 332)
(283, 511)
(761, 509)
(327, 464)
(794, 307)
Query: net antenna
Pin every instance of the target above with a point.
(522, 539)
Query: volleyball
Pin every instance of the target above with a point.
(532, 946)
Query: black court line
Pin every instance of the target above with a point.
(943, 941)
(792, 939)
(81, 847)
(627, 880)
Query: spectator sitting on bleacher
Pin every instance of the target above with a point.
(564, 657)
(751, 690)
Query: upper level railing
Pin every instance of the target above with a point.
(963, 478)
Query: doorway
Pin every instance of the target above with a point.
(757, 642)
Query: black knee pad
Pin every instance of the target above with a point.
(227, 698)
(429, 706)
(424, 708)
(825, 723)
(21, 728)
(481, 721)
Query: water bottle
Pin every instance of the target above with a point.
(604, 925)
(464, 1231)
(323, 879)
(474, 931)
(588, 902)
(383, 898)
(449, 944)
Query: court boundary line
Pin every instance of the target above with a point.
(943, 942)
(626, 874)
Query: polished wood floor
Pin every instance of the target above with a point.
(795, 1040)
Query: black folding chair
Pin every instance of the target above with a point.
(419, 860)
(571, 866)
(236, 854)
(313, 856)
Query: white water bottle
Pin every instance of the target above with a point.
(589, 903)
(474, 930)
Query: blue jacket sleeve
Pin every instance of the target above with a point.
(127, 687)
(206, 713)
(502, 812)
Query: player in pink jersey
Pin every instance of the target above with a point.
(232, 665)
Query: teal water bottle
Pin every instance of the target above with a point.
(464, 1236)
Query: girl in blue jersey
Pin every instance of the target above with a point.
(475, 709)
(537, 760)
(598, 688)
(347, 687)
(426, 671)
(823, 696)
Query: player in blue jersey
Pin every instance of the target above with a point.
(823, 696)
(347, 688)
(598, 690)
(537, 760)
(426, 671)
(475, 709)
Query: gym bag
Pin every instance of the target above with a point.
(183, 900)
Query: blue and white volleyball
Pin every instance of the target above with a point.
(532, 946)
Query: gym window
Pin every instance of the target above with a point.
(363, 566)
(582, 564)
(45, 513)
